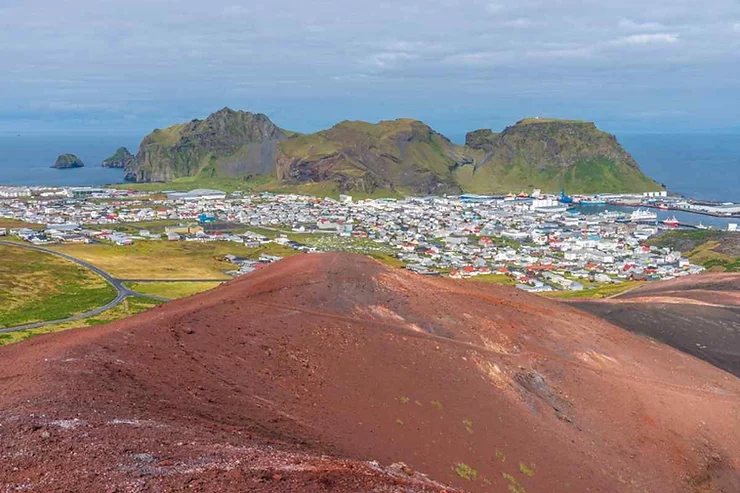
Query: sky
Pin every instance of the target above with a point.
(130, 66)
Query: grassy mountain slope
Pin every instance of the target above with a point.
(227, 143)
(552, 154)
(402, 155)
(391, 157)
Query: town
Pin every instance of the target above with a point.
(533, 242)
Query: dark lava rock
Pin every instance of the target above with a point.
(67, 161)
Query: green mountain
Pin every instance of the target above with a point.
(120, 159)
(227, 143)
(67, 161)
(551, 154)
(401, 156)
(405, 156)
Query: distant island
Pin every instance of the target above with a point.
(120, 159)
(404, 157)
(68, 161)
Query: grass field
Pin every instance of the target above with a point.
(495, 279)
(168, 260)
(718, 251)
(599, 293)
(171, 290)
(130, 306)
(37, 287)
(15, 223)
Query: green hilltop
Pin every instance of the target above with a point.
(552, 154)
(397, 157)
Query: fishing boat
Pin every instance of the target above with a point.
(565, 199)
(671, 221)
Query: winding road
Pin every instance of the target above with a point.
(122, 292)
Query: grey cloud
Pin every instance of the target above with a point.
(436, 59)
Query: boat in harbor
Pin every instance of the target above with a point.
(592, 201)
(643, 216)
(565, 199)
(671, 221)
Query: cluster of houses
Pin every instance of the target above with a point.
(541, 248)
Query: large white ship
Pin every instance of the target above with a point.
(643, 216)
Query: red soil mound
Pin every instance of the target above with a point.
(294, 377)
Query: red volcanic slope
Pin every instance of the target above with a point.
(294, 378)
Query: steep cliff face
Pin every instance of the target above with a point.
(230, 143)
(552, 154)
(401, 155)
(120, 159)
(67, 161)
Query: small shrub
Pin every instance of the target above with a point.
(466, 472)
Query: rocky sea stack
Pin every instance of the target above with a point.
(120, 159)
(67, 161)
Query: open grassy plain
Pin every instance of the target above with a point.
(36, 287)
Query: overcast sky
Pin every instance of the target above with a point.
(129, 66)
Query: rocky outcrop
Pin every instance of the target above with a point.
(120, 159)
(67, 161)
(227, 143)
(552, 154)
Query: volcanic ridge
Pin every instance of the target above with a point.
(332, 372)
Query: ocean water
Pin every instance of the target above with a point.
(26, 159)
(700, 166)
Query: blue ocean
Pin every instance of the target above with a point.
(26, 159)
(700, 166)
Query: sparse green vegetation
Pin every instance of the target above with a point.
(437, 404)
(403, 400)
(466, 472)
(514, 485)
(527, 470)
(500, 456)
(399, 421)
(38, 287)
(468, 426)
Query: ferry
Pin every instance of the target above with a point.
(593, 202)
(643, 216)
(671, 221)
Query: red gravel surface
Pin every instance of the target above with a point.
(334, 373)
(699, 315)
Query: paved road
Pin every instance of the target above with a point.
(122, 292)
(177, 280)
